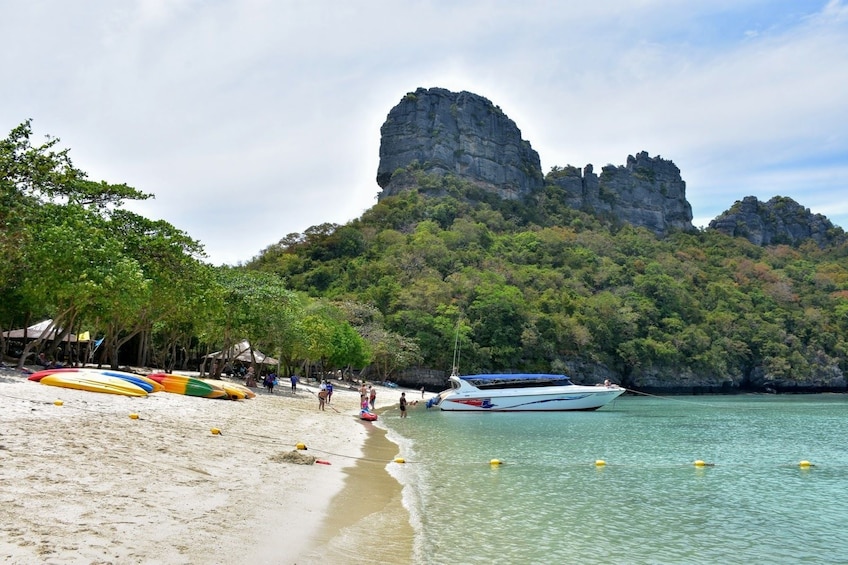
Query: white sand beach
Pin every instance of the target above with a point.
(84, 482)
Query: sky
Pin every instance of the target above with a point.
(250, 120)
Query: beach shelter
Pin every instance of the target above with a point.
(241, 352)
(41, 334)
(43, 330)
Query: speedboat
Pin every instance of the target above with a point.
(522, 392)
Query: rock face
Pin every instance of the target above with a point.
(781, 220)
(459, 133)
(647, 192)
(442, 132)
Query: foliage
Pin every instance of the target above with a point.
(75, 255)
(519, 285)
(539, 284)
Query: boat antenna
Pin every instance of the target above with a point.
(455, 368)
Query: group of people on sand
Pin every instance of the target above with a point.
(367, 397)
(269, 381)
(367, 392)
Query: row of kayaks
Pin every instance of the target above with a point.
(130, 384)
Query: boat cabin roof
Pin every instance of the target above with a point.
(516, 380)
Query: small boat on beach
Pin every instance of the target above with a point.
(522, 393)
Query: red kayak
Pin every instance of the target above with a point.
(38, 375)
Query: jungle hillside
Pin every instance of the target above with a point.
(531, 284)
(437, 273)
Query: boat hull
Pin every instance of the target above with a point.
(538, 399)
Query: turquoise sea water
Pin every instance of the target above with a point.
(550, 503)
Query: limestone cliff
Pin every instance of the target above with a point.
(441, 132)
(459, 133)
(780, 220)
(647, 192)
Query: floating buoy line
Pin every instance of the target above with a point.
(494, 463)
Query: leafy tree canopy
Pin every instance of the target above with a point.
(541, 286)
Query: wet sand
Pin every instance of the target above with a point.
(366, 522)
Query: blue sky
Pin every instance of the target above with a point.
(253, 119)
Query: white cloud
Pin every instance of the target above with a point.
(251, 120)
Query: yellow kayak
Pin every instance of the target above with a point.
(247, 392)
(93, 382)
(235, 390)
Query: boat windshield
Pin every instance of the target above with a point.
(516, 381)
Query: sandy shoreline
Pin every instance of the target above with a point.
(366, 522)
(85, 483)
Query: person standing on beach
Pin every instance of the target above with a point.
(372, 397)
(422, 392)
(269, 382)
(322, 398)
(250, 378)
(294, 382)
(403, 405)
(329, 391)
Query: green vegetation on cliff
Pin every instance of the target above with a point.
(539, 286)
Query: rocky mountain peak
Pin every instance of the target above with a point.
(440, 132)
(647, 192)
(460, 133)
(781, 220)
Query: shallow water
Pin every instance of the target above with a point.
(550, 503)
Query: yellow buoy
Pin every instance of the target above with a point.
(400, 460)
(600, 463)
(58, 402)
(699, 463)
(133, 416)
(301, 446)
(805, 464)
(216, 431)
(495, 462)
